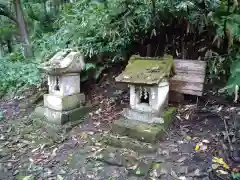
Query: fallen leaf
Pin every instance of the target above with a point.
(138, 172)
(200, 147)
(152, 178)
(173, 173)
(197, 172)
(31, 160)
(28, 178)
(215, 166)
(90, 133)
(188, 138)
(206, 141)
(83, 135)
(54, 152)
(197, 147)
(182, 159)
(220, 161)
(59, 177)
(222, 172)
(182, 178)
(133, 167)
(34, 150)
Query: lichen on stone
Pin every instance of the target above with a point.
(146, 70)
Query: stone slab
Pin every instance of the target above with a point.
(128, 143)
(143, 131)
(60, 117)
(63, 103)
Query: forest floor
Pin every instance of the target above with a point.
(197, 135)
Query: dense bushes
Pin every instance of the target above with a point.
(110, 30)
(18, 74)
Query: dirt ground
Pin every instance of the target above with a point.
(197, 135)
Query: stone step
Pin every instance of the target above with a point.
(126, 158)
(128, 143)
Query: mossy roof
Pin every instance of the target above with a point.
(146, 70)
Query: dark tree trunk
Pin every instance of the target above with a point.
(28, 51)
(9, 45)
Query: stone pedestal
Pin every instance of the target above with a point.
(143, 131)
(63, 103)
(60, 117)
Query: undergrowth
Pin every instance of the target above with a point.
(15, 75)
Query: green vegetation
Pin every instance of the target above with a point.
(107, 31)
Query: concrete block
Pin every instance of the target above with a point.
(60, 117)
(63, 103)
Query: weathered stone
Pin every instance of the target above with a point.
(136, 129)
(63, 103)
(65, 61)
(59, 117)
(142, 169)
(145, 70)
(113, 156)
(146, 117)
(143, 131)
(125, 158)
(68, 84)
(126, 142)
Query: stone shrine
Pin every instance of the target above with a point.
(149, 89)
(64, 102)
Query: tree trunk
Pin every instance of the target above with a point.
(9, 45)
(1, 49)
(27, 47)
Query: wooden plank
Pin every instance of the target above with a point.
(191, 92)
(190, 65)
(186, 87)
(189, 77)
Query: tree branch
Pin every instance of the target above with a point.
(5, 12)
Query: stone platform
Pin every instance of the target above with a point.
(60, 117)
(141, 130)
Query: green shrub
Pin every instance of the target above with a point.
(18, 74)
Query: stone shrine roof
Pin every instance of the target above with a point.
(147, 70)
(64, 61)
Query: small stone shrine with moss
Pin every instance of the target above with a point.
(148, 113)
(64, 103)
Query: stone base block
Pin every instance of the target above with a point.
(60, 117)
(63, 103)
(145, 117)
(141, 130)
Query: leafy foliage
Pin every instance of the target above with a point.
(19, 74)
(106, 31)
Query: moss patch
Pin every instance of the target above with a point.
(143, 70)
(168, 116)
